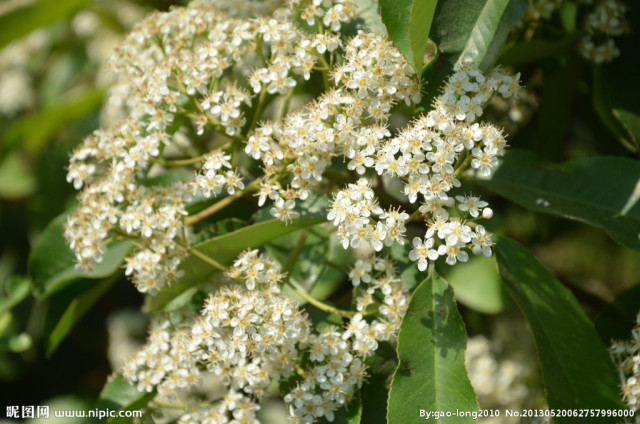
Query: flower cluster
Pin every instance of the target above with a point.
(249, 337)
(603, 22)
(335, 367)
(626, 355)
(427, 157)
(182, 88)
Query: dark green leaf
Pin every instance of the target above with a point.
(477, 285)
(52, 264)
(576, 367)
(20, 22)
(34, 131)
(600, 191)
(118, 395)
(224, 249)
(76, 310)
(408, 23)
(624, 124)
(375, 392)
(475, 30)
(17, 289)
(518, 54)
(431, 374)
(616, 320)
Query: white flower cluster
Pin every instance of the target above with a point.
(604, 21)
(251, 337)
(498, 383)
(182, 88)
(371, 80)
(353, 210)
(428, 156)
(336, 359)
(626, 356)
(247, 339)
(17, 91)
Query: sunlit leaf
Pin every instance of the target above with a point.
(599, 191)
(431, 374)
(576, 366)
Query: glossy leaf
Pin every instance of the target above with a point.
(408, 24)
(52, 264)
(616, 320)
(20, 22)
(119, 395)
(76, 310)
(623, 123)
(475, 30)
(576, 367)
(600, 191)
(431, 374)
(477, 285)
(224, 249)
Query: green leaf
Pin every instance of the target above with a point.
(224, 249)
(16, 179)
(119, 395)
(599, 191)
(624, 124)
(17, 289)
(477, 285)
(431, 374)
(20, 22)
(408, 23)
(526, 52)
(76, 310)
(52, 264)
(475, 30)
(34, 131)
(576, 367)
(375, 392)
(616, 320)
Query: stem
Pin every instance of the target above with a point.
(414, 215)
(287, 102)
(194, 160)
(325, 74)
(464, 164)
(293, 256)
(259, 108)
(319, 304)
(190, 220)
(208, 259)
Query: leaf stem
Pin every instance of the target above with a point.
(193, 219)
(317, 303)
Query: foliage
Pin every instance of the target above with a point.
(392, 315)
